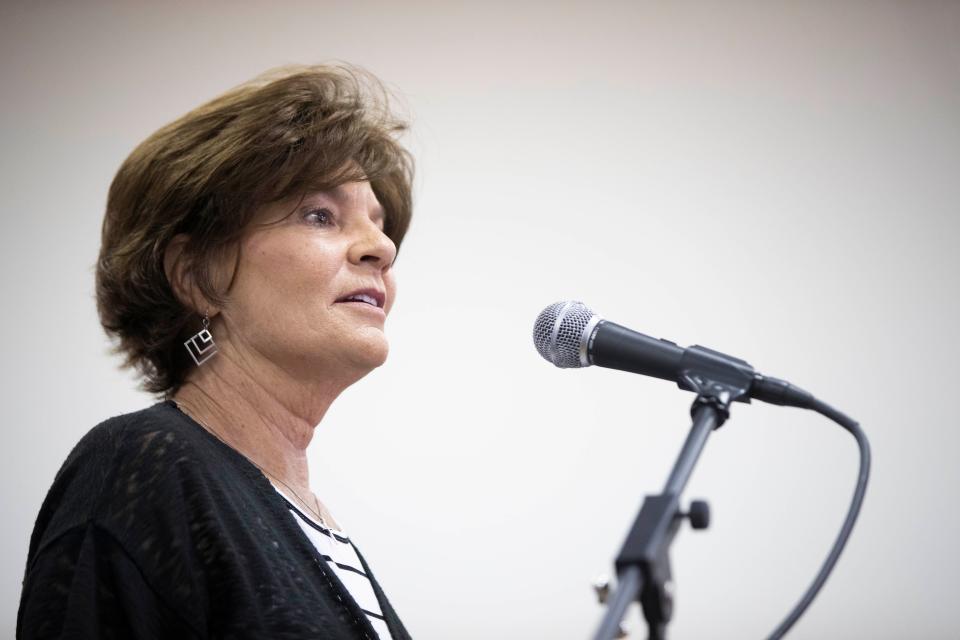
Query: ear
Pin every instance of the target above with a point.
(176, 265)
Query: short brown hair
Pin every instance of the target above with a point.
(283, 134)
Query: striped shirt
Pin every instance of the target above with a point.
(335, 547)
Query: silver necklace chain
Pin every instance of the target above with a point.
(274, 476)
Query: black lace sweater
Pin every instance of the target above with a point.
(153, 528)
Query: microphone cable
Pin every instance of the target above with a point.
(853, 427)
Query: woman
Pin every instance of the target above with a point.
(246, 271)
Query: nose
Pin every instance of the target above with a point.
(372, 246)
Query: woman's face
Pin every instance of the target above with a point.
(313, 288)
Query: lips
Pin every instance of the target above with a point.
(372, 297)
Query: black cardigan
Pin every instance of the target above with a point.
(153, 528)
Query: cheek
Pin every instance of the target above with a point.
(283, 274)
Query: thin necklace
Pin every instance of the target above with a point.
(274, 476)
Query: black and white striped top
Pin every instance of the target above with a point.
(335, 547)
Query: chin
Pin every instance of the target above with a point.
(371, 352)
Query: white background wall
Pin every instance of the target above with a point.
(778, 181)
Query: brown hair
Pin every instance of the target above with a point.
(283, 134)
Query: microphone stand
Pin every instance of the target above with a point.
(643, 564)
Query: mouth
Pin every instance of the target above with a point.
(372, 297)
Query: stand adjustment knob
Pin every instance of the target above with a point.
(699, 514)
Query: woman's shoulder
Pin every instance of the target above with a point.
(128, 448)
(125, 468)
(129, 432)
(113, 522)
(139, 445)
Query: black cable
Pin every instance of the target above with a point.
(850, 425)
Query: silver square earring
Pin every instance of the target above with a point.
(201, 346)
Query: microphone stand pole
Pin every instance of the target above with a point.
(643, 565)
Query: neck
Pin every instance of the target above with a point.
(262, 412)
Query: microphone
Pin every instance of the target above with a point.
(570, 335)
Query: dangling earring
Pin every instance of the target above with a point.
(201, 346)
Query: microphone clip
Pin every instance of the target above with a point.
(717, 379)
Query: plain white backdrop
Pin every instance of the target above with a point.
(774, 180)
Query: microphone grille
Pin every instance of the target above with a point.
(558, 333)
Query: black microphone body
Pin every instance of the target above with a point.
(570, 335)
(615, 347)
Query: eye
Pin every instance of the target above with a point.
(320, 217)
